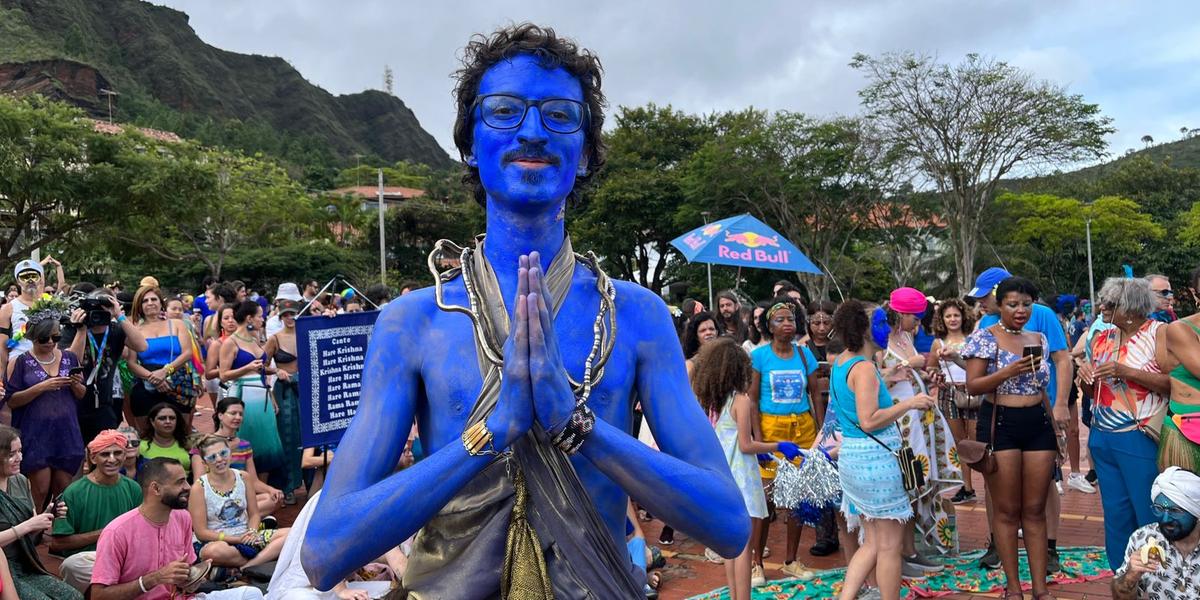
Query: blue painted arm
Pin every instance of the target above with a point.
(688, 483)
(367, 510)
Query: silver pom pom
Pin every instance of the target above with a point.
(808, 489)
(786, 491)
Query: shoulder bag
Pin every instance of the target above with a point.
(974, 453)
(911, 471)
(182, 381)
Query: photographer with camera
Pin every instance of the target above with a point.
(97, 333)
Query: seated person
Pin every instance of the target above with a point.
(133, 455)
(1160, 559)
(132, 556)
(166, 435)
(225, 513)
(93, 501)
(227, 420)
(290, 582)
(317, 460)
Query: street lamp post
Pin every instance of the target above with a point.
(705, 214)
(1091, 278)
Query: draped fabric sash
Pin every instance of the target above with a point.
(461, 552)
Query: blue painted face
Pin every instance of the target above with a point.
(527, 168)
(1174, 522)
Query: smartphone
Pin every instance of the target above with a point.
(1035, 352)
(75, 371)
(54, 504)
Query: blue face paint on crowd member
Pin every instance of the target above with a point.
(422, 363)
(1174, 521)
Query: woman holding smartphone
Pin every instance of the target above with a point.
(1007, 363)
(1128, 375)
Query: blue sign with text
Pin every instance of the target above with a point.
(331, 353)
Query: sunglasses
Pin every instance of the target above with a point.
(219, 454)
(56, 338)
(1165, 293)
(29, 277)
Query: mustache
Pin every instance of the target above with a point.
(527, 152)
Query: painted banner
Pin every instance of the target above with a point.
(331, 352)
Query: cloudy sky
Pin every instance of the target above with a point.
(1137, 60)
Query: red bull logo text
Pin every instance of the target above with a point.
(753, 243)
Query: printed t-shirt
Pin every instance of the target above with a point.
(784, 387)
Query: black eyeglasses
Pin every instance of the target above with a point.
(502, 111)
(56, 338)
(1165, 293)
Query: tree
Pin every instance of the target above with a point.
(57, 175)
(1047, 235)
(967, 126)
(1148, 140)
(412, 228)
(629, 215)
(815, 181)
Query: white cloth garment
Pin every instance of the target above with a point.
(1181, 486)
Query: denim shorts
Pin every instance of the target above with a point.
(1026, 428)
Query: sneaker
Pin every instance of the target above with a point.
(1080, 483)
(1091, 476)
(963, 496)
(924, 564)
(1052, 563)
(766, 552)
(798, 570)
(869, 593)
(756, 576)
(1058, 486)
(910, 571)
(713, 557)
(666, 538)
(991, 558)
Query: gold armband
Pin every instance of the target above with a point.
(478, 440)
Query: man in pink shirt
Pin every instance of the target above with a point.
(146, 553)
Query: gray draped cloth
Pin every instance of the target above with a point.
(460, 552)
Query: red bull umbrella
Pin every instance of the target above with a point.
(743, 241)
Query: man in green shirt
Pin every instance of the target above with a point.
(92, 502)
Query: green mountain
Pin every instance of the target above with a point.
(168, 78)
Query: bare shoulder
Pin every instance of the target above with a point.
(637, 302)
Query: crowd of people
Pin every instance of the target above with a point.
(995, 382)
(101, 451)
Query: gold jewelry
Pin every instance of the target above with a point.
(478, 440)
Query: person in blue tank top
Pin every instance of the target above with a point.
(873, 495)
(169, 348)
(781, 387)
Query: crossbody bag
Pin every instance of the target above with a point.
(911, 471)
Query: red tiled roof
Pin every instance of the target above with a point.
(154, 134)
(371, 192)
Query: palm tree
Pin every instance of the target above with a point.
(1147, 140)
(1183, 131)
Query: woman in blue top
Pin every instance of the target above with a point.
(873, 495)
(168, 348)
(243, 365)
(781, 386)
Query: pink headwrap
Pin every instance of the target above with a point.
(906, 300)
(106, 438)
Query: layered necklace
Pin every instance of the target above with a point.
(604, 326)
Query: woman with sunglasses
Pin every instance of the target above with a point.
(43, 393)
(169, 350)
(228, 418)
(166, 436)
(225, 515)
(1128, 375)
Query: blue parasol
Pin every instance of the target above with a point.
(743, 241)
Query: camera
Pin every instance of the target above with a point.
(97, 310)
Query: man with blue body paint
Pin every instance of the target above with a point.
(1162, 559)
(500, 388)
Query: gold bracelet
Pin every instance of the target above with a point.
(169, 370)
(476, 438)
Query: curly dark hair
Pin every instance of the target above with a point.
(1018, 285)
(939, 324)
(691, 332)
(483, 52)
(851, 324)
(722, 368)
